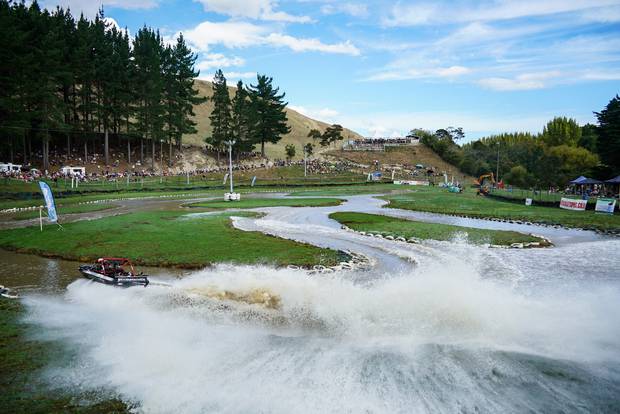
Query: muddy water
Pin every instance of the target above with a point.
(435, 327)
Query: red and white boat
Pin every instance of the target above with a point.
(114, 271)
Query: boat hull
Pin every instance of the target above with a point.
(125, 281)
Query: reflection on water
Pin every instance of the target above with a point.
(463, 329)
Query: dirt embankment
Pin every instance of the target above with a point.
(402, 157)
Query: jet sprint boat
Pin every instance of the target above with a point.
(6, 293)
(114, 271)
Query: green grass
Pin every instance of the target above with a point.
(23, 358)
(70, 209)
(268, 202)
(408, 228)
(538, 196)
(370, 188)
(326, 188)
(164, 238)
(291, 175)
(437, 200)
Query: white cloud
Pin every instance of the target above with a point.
(90, 7)
(233, 34)
(218, 61)
(524, 81)
(231, 77)
(113, 23)
(602, 15)
(601, 75)
(474, 124)
(230, 34)
(253, 9)
(430, 13)
(322, 114)
(305, 44)
(450, 72)
(352, 9)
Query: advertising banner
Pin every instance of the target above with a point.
(528, 201)
(49, 201)
(605, 205)
(573, 204)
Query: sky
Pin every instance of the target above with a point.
(383, 68)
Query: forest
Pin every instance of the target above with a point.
(81, 80)
(563, 151)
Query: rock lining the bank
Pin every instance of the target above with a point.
(413, 240)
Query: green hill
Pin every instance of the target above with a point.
(300, 126)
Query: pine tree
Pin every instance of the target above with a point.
(85, 78)
(43, 100)
(220, 116)
(268, 113)
(148, 51)
(609, 134)
(187, 95)
(240, 120)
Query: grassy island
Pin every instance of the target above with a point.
(167, 239)
(437, 200)
(397, 227)
(267, 202)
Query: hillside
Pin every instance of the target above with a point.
(407, 157)
(300, 126)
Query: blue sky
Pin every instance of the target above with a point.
(384, 67)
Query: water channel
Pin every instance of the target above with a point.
(431, 327)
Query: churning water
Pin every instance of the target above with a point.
(466, 329)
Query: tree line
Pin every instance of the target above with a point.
(254, 116)
(63, 78)
(563, 151)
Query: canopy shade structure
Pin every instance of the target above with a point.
(615, 180)
(578, 180)
(591, 181)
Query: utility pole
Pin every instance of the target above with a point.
(231, 196)
(230, 145)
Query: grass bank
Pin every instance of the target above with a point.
(167, 239)
(326, 189)
(408, 228)
(23, 358)
(438, 200)
(348, 190)
(268, 202)
(69, 209)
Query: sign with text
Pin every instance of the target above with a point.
(605, 205)
(49, 201)
(528, 201)
(573, 204)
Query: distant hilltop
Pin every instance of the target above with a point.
(300, 126)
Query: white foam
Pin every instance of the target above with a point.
(414, 341)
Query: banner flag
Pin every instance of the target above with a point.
(573, 204)
(49, 201)
(253, 180)
(605, 205)
(225, 179)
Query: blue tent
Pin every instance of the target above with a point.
(615, 180)
(579, 180)
(591, 181)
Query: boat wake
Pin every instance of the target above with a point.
(257, 339)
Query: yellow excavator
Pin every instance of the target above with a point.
(482, 183)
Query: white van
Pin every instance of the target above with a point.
(73, 171)
(9, 167)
